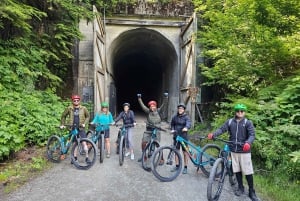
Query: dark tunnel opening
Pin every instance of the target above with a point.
(142, 62)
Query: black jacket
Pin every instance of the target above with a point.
(242, 131)
(128, 118)
(178, 122)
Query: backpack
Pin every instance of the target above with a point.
(230, 120)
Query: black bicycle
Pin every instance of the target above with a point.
(151, 146)
(122, 140)
(220, 169)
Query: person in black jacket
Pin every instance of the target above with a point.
(128, 119)
(180, 124)
(242, 134)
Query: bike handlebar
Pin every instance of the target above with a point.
(153, 126)
(124, 125)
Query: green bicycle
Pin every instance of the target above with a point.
(57, 147)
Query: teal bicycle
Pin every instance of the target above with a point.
(122, 141)
(202, 158)
(151, 146)
(59, 145)
(98, 137)
(221, 168)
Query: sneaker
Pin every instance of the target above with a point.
(253, 196)
(239, 192)
(132, 156)
(127, 154)
(184, 171)
(175, 169)
(107, 155)
(88, 161)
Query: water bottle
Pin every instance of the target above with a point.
(226, 148)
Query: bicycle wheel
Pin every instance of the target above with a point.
(79, 151)
(101, 147)
(208, 156)
(216, 180)
(166, 171)
(54, 150)
(122, 150)
(147, 153)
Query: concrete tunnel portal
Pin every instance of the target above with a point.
(143, 61)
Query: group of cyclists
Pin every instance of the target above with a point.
(239, 128)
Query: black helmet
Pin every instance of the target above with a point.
(126, 104)
(181, 105)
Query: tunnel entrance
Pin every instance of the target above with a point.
(143, 61)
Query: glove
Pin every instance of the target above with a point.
(173, 131)
(184, 129)
(210, 136)
(166, 94)
(139, 95)
(246, 147)
(83, 125)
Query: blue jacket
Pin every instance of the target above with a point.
(242, 131)
(179, 122)
(103, 119)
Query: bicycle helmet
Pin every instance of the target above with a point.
(238, 107)
(75, 97)
(181, 105)
(126, 104)
(150, 103)
(104, 104)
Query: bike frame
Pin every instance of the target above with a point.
(187, 144)
(65, 145)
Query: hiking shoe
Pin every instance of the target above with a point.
(239, 192)
(74, 162)
(88, 161)
(127, 154)
(132, 156)
(175, 169)
(184, 171)
(253, 196)
(107, 155)
(140, 159)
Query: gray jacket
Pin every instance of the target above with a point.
(242, 131)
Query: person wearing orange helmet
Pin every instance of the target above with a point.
(153, 118)
(79, 117)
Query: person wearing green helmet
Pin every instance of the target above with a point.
(242, 134)
(104, 118)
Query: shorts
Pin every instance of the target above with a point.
(148, 134)
(241, 162)
(177, 144)
(106, 133)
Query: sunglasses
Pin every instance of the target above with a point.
(76, 100)
(240, 111)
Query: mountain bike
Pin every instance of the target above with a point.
(202, 158)
(151, 146)
(98, 137)
(122, 135)
(220, 169)
(57, 147)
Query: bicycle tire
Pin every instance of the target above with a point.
(167, 171)
(210, 153)
(54, 150)
(216, 180)
(81, 155)
(147, 153)
(122, 151)
(101, 147)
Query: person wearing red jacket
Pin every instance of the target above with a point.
(242, 134)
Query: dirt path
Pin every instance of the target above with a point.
(109, 181)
